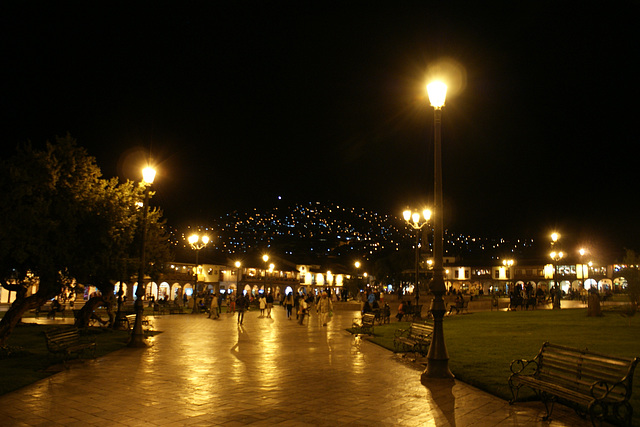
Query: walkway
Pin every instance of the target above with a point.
(203, 372)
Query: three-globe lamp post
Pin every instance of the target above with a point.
(437, 358)
(417, 223)
(137, 334)
(197, 243)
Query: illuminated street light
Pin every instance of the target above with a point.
(437, 358)
(416, 222)
(437, 92)
(197, 243)
(265, 258)
(583, 270)
(238, 264)
(556, 256)
(137, 334)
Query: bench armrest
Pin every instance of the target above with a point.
(400, 333)
(600, 390)
(518, 366)
(425, 337)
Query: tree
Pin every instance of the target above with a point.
(61, 222)
(389, 268)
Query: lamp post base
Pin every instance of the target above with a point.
(437, 358)
(436, 369)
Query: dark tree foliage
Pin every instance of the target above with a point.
(61, 221)
(390, 267)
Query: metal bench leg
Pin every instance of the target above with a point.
(548, 401)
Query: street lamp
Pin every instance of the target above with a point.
(197, 242)
(437, 358)
(556, 256)
(507, 263)
(137, 335)
(265, 258)
(416, 222)
(272, 267)
(237, 264)
(584, 268)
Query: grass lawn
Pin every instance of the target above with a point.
(482, 345)
(27, 360)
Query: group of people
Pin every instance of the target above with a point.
(302, 306)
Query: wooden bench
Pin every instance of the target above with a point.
(131, 320)
(382, 315)
(416, 338)
(595, 384)
(364, 324)
(175, 309)
(158, 308)
(68, 341)
(413, 311)
(459, 308)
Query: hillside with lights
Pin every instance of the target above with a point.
(327, 230)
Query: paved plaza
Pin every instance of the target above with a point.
(204, 372)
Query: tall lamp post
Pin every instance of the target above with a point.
(556, 256)
(238, 264)
(356, 277)
(137, 334)
(414, 220)
(583, 270)
(197, 243)
(265, 259)
(437, 358)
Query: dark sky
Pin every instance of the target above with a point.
(242, 102)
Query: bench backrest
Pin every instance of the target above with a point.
(420, 329)
(368, 318)
(579, 369)
(61, 338)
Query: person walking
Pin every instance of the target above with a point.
(288, 303)
(269, 304)
(263, 304)
(232, 302)
(325, 306)
(302, 310)
(213, 308)
(242, 303)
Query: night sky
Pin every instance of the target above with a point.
(241, 102)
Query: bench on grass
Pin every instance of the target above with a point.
(158, 308)
(595, 384)
(416, 338)
(382, 315)
(131, 320)
(175, 309)
(460, 307)
(364, 324)
(413, 311)
(68, 341)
